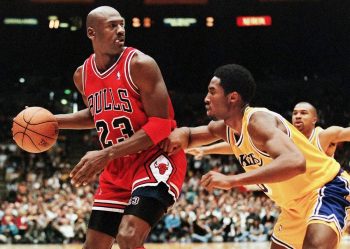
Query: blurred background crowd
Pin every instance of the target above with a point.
(302, 56)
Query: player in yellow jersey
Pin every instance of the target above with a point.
(309, 186)
(304, 118)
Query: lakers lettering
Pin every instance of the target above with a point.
(108, 100)
(250, 159)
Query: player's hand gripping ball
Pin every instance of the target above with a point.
(35, 129)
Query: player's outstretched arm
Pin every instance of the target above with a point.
(81, 119)
(222, 148)
(267, 136)
(334, 134)
(187, 137)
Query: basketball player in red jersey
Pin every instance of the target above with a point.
(129, 106)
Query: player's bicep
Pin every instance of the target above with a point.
(335, 134)
(147, 76)
(268, 137)
(279, 143)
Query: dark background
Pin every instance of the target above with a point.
(304, 55)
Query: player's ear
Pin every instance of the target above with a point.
(90, 33)
(234, 97)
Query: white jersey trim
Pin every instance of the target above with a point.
(280, 242)
(116, 210)
(312, 134)
(111, 202)
(127, 73)
(140, 180)
(175, 187)
(317, 138)
(83, 77)
(319, 143)
(108, 71)
(231, 139)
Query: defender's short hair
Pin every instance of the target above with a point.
(237, 78)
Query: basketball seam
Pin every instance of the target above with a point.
(32, 142)
(25, 128)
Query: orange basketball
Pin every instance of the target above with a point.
(35, 129)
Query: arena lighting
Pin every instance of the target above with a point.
(136, 22)
(147, 22)
(179, 21)
(64, 25)
(67, 91)
(54, 24)
(20, 21)
(248, 21)
(64, 101)
(209, 21)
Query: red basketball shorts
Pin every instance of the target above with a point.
(148, 168)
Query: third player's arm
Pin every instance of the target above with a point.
(334, 134)
(222, 148)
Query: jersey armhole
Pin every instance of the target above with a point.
(83, 78)
(127, 73)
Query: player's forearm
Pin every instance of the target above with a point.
(220, 148)
(198, 136)
(78, 120)
(280, 169)
(138, 142)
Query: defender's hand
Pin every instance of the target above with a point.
(91, 164)
(197, 152)
(214, 179)
(177, 140)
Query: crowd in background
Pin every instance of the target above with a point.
(41, 206)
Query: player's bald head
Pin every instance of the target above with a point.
(99, 13)
(307, 106)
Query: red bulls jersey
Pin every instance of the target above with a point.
(115, 104)
(114, 100)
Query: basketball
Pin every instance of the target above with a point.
(35, 129)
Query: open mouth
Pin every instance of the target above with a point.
(120, 40)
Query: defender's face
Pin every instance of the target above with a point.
(216, 102)
(303, 117)
(110, 33)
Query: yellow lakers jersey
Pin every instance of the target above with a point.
(314, 139)
(320, 168)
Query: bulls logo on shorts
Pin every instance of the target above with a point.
(161, 168)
